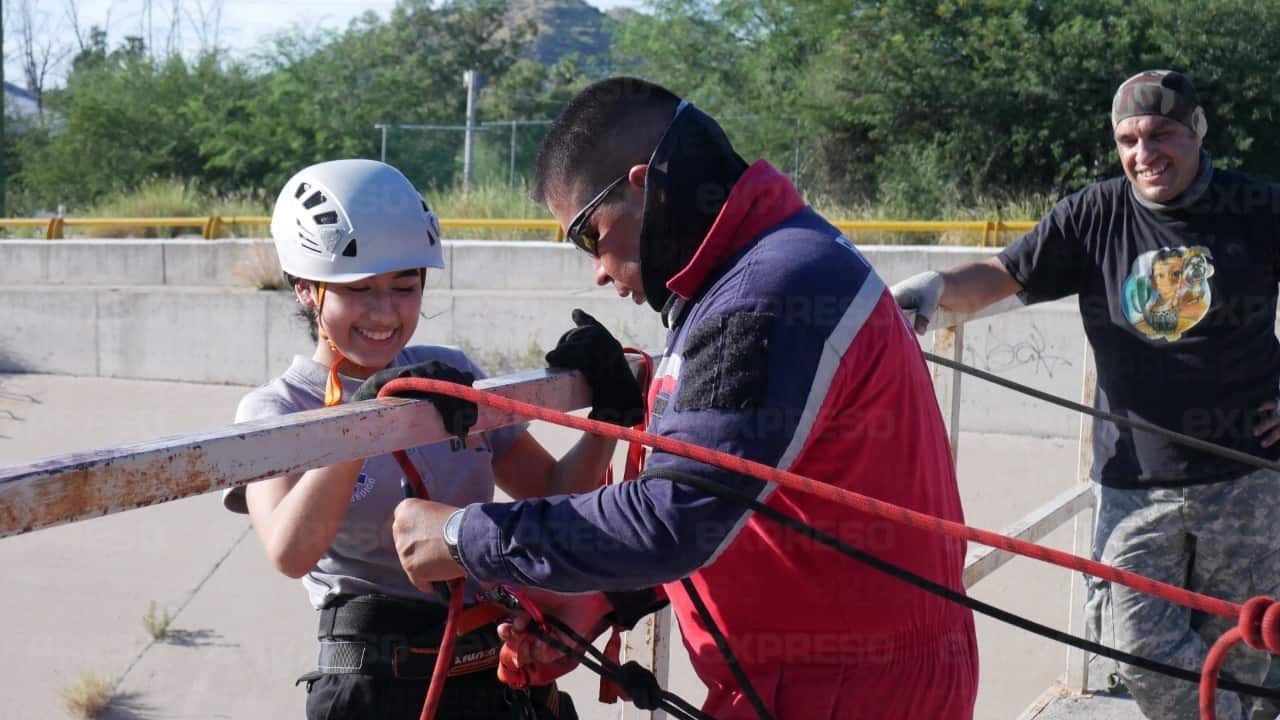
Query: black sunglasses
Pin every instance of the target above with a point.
(576, 232)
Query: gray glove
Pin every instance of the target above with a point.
(920, 294)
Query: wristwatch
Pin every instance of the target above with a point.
(451, 528)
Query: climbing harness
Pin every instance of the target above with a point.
(1258, 619)
(638, 683)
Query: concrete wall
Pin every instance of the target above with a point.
(471, 264)
(183, 310)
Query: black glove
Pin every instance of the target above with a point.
(589, 348)
(458, 414)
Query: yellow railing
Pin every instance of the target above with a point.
(212, 226)
(990, 229)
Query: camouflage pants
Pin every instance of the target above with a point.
(1221, 539)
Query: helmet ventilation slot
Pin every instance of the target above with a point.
(316, 198)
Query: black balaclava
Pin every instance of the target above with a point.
(690, 175)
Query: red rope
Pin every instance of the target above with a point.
(1259, 628)
(440, 673)
(609, 691)
(800, 483)
(444, 654)
(635, 451)
(1259, 619)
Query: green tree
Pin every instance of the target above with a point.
(527, 91)
(122, 117)
(320, 94)
(931, 104)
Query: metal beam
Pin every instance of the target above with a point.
(89, 484)
(1033, 527)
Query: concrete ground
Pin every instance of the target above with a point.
(241, 633)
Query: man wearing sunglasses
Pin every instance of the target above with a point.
(785, 348)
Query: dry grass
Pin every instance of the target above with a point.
(168, 197)
(157, 621)
(260, 268)
(88, 695)
(161, 197)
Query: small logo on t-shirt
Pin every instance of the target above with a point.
(364, 486)
(1167, 292)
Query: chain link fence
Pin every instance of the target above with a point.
(432, 155)
(504, 150)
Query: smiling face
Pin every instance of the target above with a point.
(1166, 275)
(370, 321)
(1160, 156)
(615, 225)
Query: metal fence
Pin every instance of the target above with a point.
(985, 232)
(432, 155)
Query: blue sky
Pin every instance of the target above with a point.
(243, 22)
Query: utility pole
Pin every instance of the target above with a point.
(511, 176)
(4, 102)
(471, 79)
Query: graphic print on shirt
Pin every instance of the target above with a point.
(364, 486)
(1167, 292)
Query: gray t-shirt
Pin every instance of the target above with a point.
(362, 558)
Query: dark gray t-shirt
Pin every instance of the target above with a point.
(362, 558)
(1180, 308)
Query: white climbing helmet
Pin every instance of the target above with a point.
(346, 220)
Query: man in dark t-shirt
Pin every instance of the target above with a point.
(1176, 267)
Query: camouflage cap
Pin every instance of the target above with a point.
(1159, 92)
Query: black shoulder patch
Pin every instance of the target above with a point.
(726, 363)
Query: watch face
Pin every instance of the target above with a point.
(451, 527)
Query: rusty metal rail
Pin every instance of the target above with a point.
(84, 485)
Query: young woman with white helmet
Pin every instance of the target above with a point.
(356, 240)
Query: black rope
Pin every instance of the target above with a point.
(640, 684)
(604, 661)
(1177, 437)
(718, 490)
(743, 681)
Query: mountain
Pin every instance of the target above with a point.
(566, 27)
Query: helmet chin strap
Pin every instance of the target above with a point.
(333, 387)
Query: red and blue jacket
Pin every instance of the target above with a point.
(785, 348)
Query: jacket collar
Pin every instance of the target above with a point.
(762, 198)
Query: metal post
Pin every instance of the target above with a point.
(1078, 661)
(468, 143)
(511, 177)
(1082, 542)
(3, 169)
(383, 155)
(648, 643)
(949, 342)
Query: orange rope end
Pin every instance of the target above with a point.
(333, 388)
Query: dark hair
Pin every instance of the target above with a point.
(606, 129)
(304, 313)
